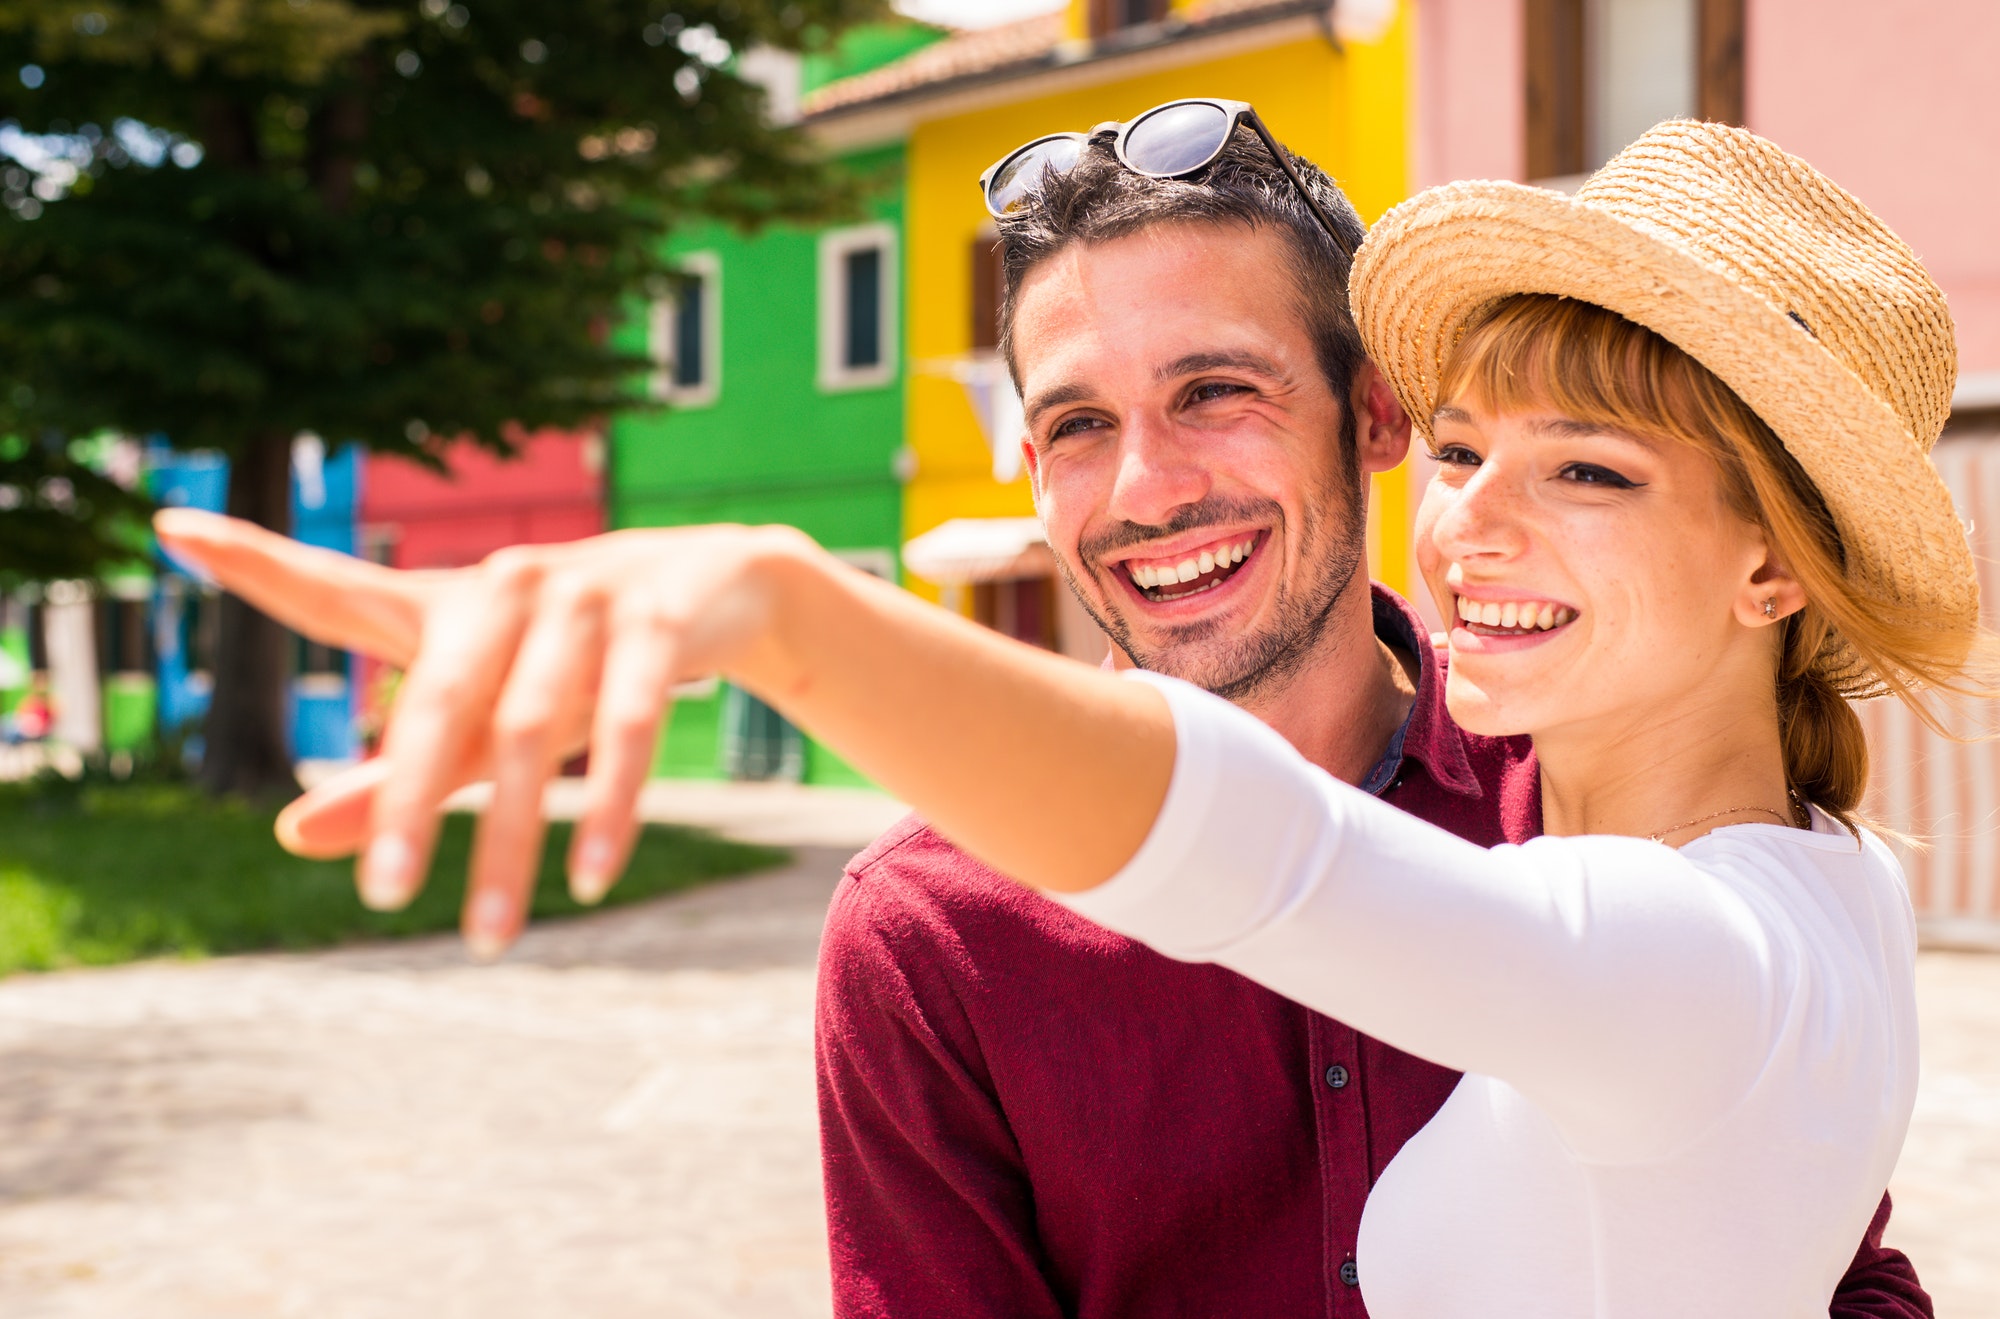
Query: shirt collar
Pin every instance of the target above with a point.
(1427, 733)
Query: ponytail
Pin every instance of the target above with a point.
(1826, 753)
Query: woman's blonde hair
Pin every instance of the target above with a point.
(1537, 350)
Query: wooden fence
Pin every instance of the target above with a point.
(1943, 792)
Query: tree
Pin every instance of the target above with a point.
(60, 518)
(235, 220)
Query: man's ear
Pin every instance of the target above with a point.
(1033, 462)
(1381, 427)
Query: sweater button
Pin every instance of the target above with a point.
(1350, 1275)
(1336, 1077)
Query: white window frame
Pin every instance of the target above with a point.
(834, 247)
(660, 321)
(873, 561)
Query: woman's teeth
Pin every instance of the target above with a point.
(1523, 616)
(1151, 578)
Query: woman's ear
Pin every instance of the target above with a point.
(1771, 593)
(1381, 427)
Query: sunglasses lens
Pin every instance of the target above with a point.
(1177, 140)
(1015, 181)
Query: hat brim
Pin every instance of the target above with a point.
(1436, 262)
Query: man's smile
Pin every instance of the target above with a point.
(1191, 570)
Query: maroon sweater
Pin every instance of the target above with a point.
(1024, 1115)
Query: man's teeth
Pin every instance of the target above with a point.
(1189, 569)
(1531, 615)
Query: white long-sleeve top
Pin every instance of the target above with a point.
(1689, 1072)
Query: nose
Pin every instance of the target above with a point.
(1158, 472)
(1483, 518)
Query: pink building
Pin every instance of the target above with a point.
(1892, 100)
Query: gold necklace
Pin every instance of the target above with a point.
(1800, 818)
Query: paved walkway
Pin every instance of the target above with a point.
(617, 1121)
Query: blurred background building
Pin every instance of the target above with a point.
(843, 379)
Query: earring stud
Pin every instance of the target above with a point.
(1771, 607)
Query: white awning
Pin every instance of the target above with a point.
(980, 550)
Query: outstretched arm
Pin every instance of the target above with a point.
(1038, 764)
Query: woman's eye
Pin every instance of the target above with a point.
(1592, 474)
(1454, 455)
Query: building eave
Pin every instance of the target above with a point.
(892, 117)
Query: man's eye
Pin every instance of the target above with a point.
(1074, 426)
(1454, 455)
(1215, 389)
(1592, 474)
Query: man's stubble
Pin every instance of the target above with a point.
(1331, 542)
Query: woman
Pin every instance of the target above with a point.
(1687, 1015)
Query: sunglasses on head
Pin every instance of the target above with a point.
(1169, 141)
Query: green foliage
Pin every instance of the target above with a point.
(60, 518)
(93, 873)
(374, 220)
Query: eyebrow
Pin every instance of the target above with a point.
(1191, 364)
(1571, 428)
(1054, 397)
(1196, 363)
(1554, 427)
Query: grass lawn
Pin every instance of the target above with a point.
(102, 873)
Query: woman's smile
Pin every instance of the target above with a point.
(1503, 622)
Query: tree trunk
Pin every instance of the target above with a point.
(244, 752)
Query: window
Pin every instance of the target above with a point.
(857, 307)
(1108, 16)
(1601, 72)
(684, 334)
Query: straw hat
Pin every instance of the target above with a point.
(1757, 266)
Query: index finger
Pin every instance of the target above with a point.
(331, 597)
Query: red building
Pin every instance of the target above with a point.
(410, 516)
(552, 489)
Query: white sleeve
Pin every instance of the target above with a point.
(1631, 994)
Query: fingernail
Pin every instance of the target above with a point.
(388, 872)
(489, 926)
(590, 878)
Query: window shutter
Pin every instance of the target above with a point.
(690, 313)
(1720, 43)
(1555, 88)
(863, 273)
(985, 292)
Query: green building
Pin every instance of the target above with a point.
(780, 362)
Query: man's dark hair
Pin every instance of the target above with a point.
(1099, 200)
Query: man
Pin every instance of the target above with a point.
(1022, 1114)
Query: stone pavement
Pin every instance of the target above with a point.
(616, 1121)
(1947, 1186)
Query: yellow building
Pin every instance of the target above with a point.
(1333, 83)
